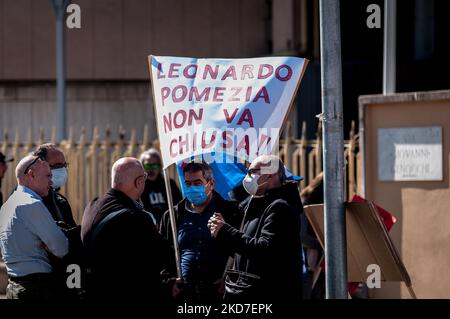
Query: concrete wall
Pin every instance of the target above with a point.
(117, 35)
(89, 104)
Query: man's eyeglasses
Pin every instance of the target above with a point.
(31, 164)
(151, 166)
(57, 166)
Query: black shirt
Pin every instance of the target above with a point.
(154, 196)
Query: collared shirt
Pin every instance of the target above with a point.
(26, 226)
(200, 258)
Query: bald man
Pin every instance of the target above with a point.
(268, 244)
(124, 249)
(28, 233)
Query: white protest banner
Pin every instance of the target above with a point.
(234, 106)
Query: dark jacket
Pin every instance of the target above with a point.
(229, 210)
(127, 255)
(60, 208)
(61, 212)
(269, 245)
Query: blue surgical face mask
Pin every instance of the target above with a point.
(196, 194)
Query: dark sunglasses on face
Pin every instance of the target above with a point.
(31, 164)
(151, 166)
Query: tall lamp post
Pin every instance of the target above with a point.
(59, 7)
(333, 150)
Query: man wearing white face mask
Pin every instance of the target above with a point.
(61, 212)
(268, 245)
(56, 203)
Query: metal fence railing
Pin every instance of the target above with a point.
(90, 161)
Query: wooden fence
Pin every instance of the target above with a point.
(90, 161)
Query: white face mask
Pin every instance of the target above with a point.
(59, 177)
(250, 184)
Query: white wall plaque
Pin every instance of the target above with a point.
(410, 154)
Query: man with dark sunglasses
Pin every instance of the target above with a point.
(154, 197)
(28, 234)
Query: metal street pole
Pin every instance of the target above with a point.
(389, 50)
(333, 151)
(60, 9)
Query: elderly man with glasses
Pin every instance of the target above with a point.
(56, 203)
(61, 211)
(28, 233)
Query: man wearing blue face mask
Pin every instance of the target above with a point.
(203, 260)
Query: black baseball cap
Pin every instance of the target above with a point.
(3, 158)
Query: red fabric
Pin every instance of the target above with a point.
(387, 218)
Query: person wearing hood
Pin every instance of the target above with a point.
(267, 247)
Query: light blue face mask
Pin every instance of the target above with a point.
(196, 194)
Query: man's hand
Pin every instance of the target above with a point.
(220, 283)
(176, 288)
(215, 223)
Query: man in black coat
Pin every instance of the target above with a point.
(125, 253)
(203, 259)
(269, 244)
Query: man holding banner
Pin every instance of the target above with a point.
(203, 260)
(221, 109)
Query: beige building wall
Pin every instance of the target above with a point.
(106, 60)
(31, 106)
(422, 232)
(117, 35)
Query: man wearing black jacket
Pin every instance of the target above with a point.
(269, 244)
(203, 259)
(127, 255)
(59, 208)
